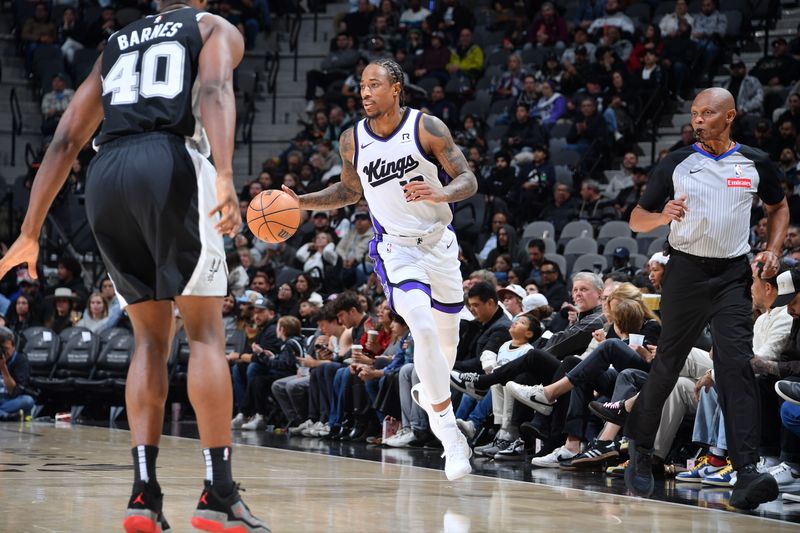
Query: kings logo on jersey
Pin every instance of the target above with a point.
(379, 171)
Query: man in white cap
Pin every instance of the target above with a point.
(533, 301)
(511, 297)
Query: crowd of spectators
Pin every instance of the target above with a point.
(541, 346)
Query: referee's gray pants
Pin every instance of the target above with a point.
(695, 291)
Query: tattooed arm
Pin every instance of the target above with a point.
(347, 191)
(436, 140)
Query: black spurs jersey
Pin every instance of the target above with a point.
(148, 73)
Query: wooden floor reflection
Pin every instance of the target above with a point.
(77, 479)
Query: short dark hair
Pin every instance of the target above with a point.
(397, 318)
(537, 243)
(7, 335)
(327, 313)
(71, 264)
(395, 73)
(552, 264)
(483, 291)
(534, 326)
(346, 301)
(620, 277)
(291, 326)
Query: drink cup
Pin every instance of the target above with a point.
(635, 339)
(652, 301)
(357, 349)
(372, 335)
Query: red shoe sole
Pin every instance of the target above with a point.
(140, 524)
(204, 524)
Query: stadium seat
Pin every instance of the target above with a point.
(576, 228)
(591, 262)
(538, 230)
(657, 245)
(628, 243)
(580, 245)
(611, 229)
(560, 260)
(565, 157)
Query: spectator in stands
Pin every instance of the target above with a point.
(487, 241)
(623, 178)
(669, 23)
(657, 266)
(304, 287)
(493, 326)
(98, 33)
(787, 162)
(548, 28)
(15, 373)
(62, 313)
(593, 208)
(678, 56)
(70, 34)
(621, 262)
(510, 82)
(287, 303)
(794, 205)
(414, 16)
(552, 286)
(470, 134)
(588, 134)
(560, 209)
(466, 58)
(649, 79)
(353, 250)
(707, 31)
(787, 138)
(319, 254)
(588, 11)
(536, 180)
(614, 41)
(747, 93)
(792, 113)
(687, 138)
(613, 16)
(451, 18)
(321, 223)
(69, 275)
(779, 70)
(550, 107)
(95, 314)
(580, 39)
(55, 102)
(37, 30)
(499, 183)
(442, 108)
(337, 66)
(535, 260)
(650, 40)
(376, 48)
(524, 132)
(628, 197)
(433, 60)
(380, 29)
(21, 314)
(359, 21)
(506, 245)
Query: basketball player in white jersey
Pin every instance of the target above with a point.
(389, 159)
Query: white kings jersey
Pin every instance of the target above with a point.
(385, 165)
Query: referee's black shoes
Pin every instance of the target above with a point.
(753, 488)
(639, 472)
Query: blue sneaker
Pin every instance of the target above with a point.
(725, 477)
(639, 473)
(700, 471)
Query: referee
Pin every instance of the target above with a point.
(709, 187)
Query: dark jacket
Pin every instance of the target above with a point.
(285, 359)
(491, 336)
(789, 363)
(576, 338)
(267, 338)
(556, 294)
(20, 370)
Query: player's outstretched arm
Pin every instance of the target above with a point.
(436, 139)
(221, 53)
(74, 130)
(346, 192)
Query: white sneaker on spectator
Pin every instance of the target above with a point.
(785, 475)
(237, 421)
(322, 431)
(552, 459)
(531, 395)
(299, 429)
(467, 427)
(312, 429)
(257, 422)
(401, 438)
(457, 453)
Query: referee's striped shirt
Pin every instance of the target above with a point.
(720, 191)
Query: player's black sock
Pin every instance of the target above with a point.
(218, 469)
(144, 463)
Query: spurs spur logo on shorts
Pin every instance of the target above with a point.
(215, 264)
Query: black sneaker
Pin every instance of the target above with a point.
(493, 448)
(613, 412)
(753, 488)
(596, 453)
(788, 390)
(144, 510)
(215, 513)
(530, 432)
(421, 437)
(517, 451)
(465, 382)
(639, 473)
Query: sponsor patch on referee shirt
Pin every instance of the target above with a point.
(740, 182)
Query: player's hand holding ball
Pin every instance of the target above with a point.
(273, 216)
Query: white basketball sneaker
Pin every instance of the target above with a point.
(456, 454)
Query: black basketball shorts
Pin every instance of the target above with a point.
(147, 200)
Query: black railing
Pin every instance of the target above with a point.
(314, 6)
(16, 123)
(272, 66)
(8, 233)
(294, 35)
(247, 132)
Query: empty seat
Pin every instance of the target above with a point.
(576, 228)
(611, 229)
(538, 229)
(580, 245)
(657, 245)
(565, 157)
(638, 260)
(591, 262)
(644, 239)
(41, 346)
(108, 380)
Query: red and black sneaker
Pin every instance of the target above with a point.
(144, 514)
(225, 515)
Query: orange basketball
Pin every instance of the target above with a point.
(273, 216)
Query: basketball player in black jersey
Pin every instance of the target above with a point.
(158, 210)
